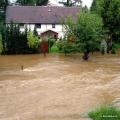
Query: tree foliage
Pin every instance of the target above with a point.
(32, 2)
(41, 2)
(15, 42)
(1, 44)
(97, 6)
(87, 30)
(72, 3)
(67, 46)
(109, 10)
(33, 40)
(3, 5)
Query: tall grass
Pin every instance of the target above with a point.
(105, 112)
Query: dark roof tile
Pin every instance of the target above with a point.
(39, 14)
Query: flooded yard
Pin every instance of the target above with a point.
(56, 87)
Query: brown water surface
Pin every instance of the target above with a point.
(56, 87)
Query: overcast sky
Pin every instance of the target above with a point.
(85, 2)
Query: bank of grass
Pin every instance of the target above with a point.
(106, 112)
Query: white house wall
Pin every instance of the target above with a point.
(29, 27)
(45, 27)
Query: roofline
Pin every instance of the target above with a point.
(33, 23)
(44, 6)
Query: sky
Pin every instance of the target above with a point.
(85, 2)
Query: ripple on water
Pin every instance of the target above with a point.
(56, 87)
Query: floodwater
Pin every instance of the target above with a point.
(56, 87)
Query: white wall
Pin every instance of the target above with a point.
(45, 27)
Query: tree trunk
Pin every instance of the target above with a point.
(109, 44)
(86, 56)
(67, 2)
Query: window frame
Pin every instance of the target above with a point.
(53, 25)
(38, 25)
(22, 25)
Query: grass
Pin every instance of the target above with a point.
(54, 48)
(105, 112)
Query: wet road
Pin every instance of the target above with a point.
(56, 87)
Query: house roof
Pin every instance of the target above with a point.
(39, 14)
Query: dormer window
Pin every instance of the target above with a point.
(38, 25)
(53, 25)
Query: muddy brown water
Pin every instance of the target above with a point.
(56, 87)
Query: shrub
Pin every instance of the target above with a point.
(105, 113)
(33, 40)
(87, 30)
(54, 48)
(114, 47)
(60, 44)
(1, 44)
(51, 41)
(67, 47)
(113, 51)
(102, 51)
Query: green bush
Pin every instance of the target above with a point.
(105, 112)
(114, 48)
(102, 51)
(87, 30)
(113, 51)
(117, 45)
(67, 47)
(59, 45)
(33, 40)
(51, 41)
(54, 48)
(1, 44)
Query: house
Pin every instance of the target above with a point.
(48, 20)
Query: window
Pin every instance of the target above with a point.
(21, 25)
(38, 25)
(53, 25)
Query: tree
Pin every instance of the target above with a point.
(33, 40)
(72, 3)
(1, 44)
(35, 31)
(32, 2)
(87, 30)
(41, 2)
(26, 2)
(3, 5)
(15, 42)
(85, 8)
(109, 10)
(97, 6)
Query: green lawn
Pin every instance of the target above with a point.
(54, 48)
(105, 113)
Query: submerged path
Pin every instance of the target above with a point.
(56, 87)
